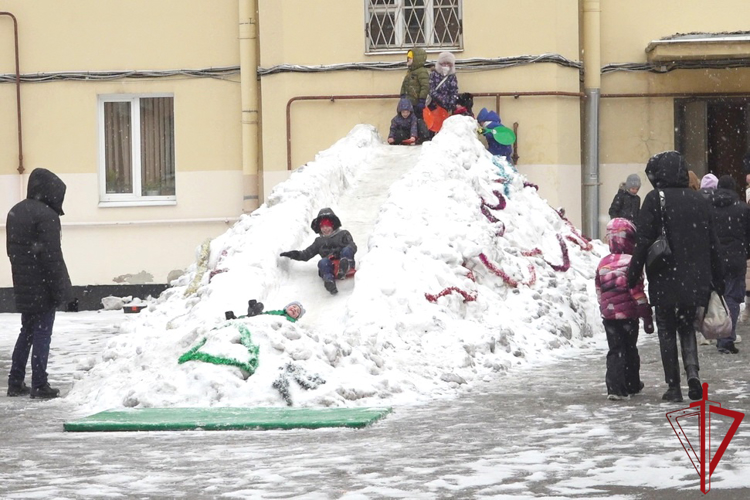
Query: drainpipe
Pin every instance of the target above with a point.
(592, 90)
(249, 85)
(18, 96)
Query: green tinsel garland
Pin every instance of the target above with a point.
(194, 354)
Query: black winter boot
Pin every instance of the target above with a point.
(44, 392)
(254, 307)
(695, 389)
(331, 286)
(641, 385)
(344, 266)
(673, 394)
(15, 390)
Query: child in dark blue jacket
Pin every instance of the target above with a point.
(404, 126)
(489, 119)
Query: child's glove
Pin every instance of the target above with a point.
(644, 311)
(648, 325)
(410, 141)
(292, 254)
(390, 140)
(420, 106)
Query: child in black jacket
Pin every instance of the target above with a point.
(627, 203)
(333, 244)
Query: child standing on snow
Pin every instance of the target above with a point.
(443, 83)
(620, 308)
(333, 244)
(416, 84)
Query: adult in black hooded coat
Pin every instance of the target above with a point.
(732, 220)
(40, 278)
(677, 289)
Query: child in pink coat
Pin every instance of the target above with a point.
(620, 308)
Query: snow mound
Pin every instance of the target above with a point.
(467, 273)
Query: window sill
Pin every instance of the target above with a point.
(140, 202)
(403, 50)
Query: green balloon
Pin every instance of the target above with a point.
(503, 135)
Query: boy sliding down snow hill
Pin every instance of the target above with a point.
(333, 244)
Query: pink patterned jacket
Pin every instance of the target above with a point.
(616, 301)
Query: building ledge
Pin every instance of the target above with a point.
(700, 47)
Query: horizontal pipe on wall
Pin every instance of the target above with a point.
(497, 95)
(161, 222)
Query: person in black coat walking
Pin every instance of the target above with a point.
(40, 278)
(732, 220)
(333, 244)
(626, 202)
(677, 289)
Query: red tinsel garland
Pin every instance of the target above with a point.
(468, 297)
(487, 214)
(566, 261)
(507, 279)
(500, 201)
(586, 245)
(469, 273)
(532, 253)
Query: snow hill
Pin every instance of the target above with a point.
(463, 273)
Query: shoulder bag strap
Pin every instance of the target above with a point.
(442, 82)
(662, 208)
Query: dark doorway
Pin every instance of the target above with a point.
(712, 134)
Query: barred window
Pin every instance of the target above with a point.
(402, 24)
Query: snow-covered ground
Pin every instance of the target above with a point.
(543, 430)
(518, 284)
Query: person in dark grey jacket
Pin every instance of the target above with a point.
(333, 244)
(732, 220)
(677, 289)
(40, 279)
(626, 202)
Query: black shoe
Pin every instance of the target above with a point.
(229, 315)
(254, 307)
(731, 348)
(640, 388)
(673, 394)
(331, 287)
(695, 390)
(44, 392)
(18, 390)
(343, 268)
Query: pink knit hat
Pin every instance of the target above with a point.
(709, 181)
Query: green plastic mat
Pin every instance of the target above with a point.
(214, 419)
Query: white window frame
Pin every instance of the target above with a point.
(400, 28)
(134, 198)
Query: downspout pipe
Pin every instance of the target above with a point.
(18, 93)
(250, 89)
(592, 92)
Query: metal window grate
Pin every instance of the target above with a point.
(401, 24)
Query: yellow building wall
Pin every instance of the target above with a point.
(60, 125)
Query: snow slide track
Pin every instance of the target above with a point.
(358, 209)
